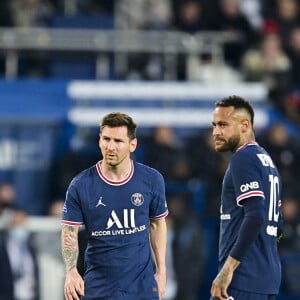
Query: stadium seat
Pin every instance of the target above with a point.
(83, 21)
(77, 68)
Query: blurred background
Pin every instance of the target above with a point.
(65, 64)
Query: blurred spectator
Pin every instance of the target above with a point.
(270, 64)
(81, 154)
(151, 15)
(292, 97)
(18, 265)
(5, 14)
(204, 69)
(189, 16)
(147, 14)
(289, 246)
(284, 149)
(241, 34)
(292, 108)
(286, 17)
(188, 248)
(209, 167)
(293, 47)
(158, 15)
(165, 151)
(31, 13)
(252, 9)
(290, 241)
(51, 265)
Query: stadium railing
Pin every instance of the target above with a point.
(18, 40)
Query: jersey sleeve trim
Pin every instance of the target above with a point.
(250, 194)
(163, 215)
(70, 223)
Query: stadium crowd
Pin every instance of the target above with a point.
(264, 46)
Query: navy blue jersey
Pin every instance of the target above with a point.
(252, 173)
(118, 261)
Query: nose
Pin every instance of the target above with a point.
(110, 145)
(216, 131)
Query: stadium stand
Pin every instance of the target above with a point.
(82, 59)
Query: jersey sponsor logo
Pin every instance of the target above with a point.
(100, 202)
(119, 231)
(272, 230)
(123, 224)
(137, 199)
(126, 221)
(225, 217)
(254, 185)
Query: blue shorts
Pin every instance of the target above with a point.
(243, 295)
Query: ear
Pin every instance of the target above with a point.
(245, 125)
(133, 144)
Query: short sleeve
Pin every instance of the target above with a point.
(158, 206)
(246, 177)
(72, 212)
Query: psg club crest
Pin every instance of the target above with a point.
(137, 199)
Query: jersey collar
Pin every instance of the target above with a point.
(251, 143)
(111, 182)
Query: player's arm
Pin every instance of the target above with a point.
(74, 285)
(251, 225)
(158, 240)
(223, 279)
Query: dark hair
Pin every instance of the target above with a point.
(238, 103)
(117, 119)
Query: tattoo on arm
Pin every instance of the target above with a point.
(69, 241)
(222, 276)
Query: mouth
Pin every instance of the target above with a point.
(218, 142)
(111, 156)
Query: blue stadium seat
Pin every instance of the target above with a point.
(83, 21)
(72, 69)
(77, 68)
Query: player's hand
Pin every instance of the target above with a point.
(161, 283)
(221, 283)
(74, 285)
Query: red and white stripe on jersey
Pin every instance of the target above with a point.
(111, 182)
(71, 223)
(251, 143)
(163, 215)
(250, 194)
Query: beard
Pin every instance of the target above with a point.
(230, 145)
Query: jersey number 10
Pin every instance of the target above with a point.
(273, 205)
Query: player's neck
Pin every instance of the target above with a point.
(116, 173)
(247, 139)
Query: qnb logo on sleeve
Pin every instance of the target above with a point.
(254, 185)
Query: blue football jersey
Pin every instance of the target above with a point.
(118, 258)
(251, 172)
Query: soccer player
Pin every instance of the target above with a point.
(123, 207)
(250, 209)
